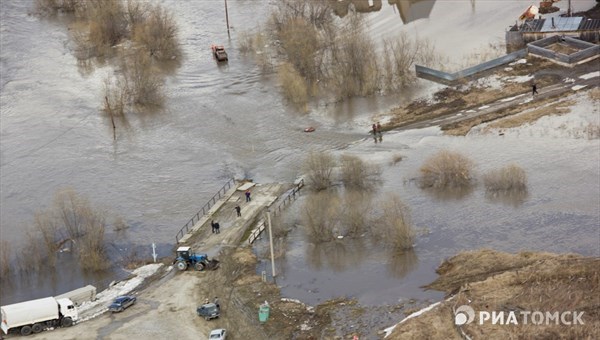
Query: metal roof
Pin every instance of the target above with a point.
(557, 24)
(561, 24)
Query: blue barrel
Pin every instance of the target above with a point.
(263, 313)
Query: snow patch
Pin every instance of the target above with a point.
(578, 87)
(484, 107)
(91, 309)
(590, 75)
(519, 79)
(520, 61)
(389, 330)
(569, 80)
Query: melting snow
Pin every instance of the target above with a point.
(590, 75)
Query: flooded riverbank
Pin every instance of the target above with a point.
(218, 122)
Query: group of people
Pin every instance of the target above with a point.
(237, 208)
(376, 130)
(216, 228)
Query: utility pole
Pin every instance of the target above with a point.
(271, 243)
(569, 9)
(227, 19)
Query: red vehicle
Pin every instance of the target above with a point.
(219, 52)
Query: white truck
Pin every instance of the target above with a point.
(37, 315)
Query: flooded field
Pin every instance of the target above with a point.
(229, 120)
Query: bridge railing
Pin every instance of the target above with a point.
(288, 199)
(205, 208)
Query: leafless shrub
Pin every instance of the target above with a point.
(107, 22)
(321, 216)
(300, 41)
(356, 209)
(158, 34)
(395, 228)
(293, 84)
(319, 166)
(592, 131)
(446, 169)
(115, 97)
(137, 12)
(358, 174)
(508, 178)
(352, 69)
(49, 7)
(144, 85)
(91, 246)
(30, 261)
(245, 42)
(397, 158)
(119, 224)
(47, 229)
(5, 258)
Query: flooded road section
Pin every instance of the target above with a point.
(219, 121)
(559, 213)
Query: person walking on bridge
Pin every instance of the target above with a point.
(238, 210)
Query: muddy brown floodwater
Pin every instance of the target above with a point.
(229, 120)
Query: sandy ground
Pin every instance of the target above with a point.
(167, 306)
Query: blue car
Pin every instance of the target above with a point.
(120, 303)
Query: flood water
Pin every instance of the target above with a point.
(219, 121)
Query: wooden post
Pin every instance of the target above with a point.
(112, 119)
(227, 19)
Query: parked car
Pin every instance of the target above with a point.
(217, 334)
(120, 303)
(208, 311)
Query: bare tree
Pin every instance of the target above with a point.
(319, 167)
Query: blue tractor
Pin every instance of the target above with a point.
(185, 258)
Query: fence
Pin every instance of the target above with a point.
(204, 210)
(447, 78)
(286, 200)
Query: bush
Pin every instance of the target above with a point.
(352, 69)
(5, 257)
(355, 173)
(107, 22)
(395, 228)
(71, 218)
(321, 216)
(511, 177)
(300, 41)
(293, 84)
(446, 169)
(144, 85)
(158, 33)
(319, 166)
(53, 6)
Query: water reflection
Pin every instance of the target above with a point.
(401, 264)
(513, 198)
(450, 193)
(409, 10)
(337, 255)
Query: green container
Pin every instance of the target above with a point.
(263, 313)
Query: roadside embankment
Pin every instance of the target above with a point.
(532, 295)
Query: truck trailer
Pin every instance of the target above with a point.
(37, 315)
